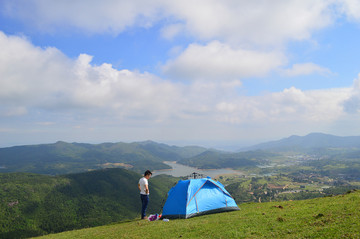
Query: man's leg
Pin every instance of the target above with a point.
(144, 204)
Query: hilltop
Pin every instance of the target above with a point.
(330, 217)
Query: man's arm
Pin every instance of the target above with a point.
(139, 187)
(146, 189)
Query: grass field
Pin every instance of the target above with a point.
(329, 217)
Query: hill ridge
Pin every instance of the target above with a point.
(312, 140)
(62, 157)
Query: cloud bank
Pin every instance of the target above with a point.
(261, 22)
(33, 77)
(200, 87)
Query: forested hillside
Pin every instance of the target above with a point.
(63, 158)
(214, 159)
(33, 204)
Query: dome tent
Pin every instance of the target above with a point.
(195, 197)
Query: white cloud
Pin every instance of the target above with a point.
(27, 71)
(236, 21)
(351, 8)
(305, 69)
(352, 104)
(290, 105)
(234, 39)
(170, 31)
(35, 78)
(260, 22)
(240, 38)
(110, 16)
(220, 61)
(313, 105)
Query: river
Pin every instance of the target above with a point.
(179, 170)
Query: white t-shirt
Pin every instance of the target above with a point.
(143, 181)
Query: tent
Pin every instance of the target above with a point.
(195, 197)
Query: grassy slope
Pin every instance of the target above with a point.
(330, 217)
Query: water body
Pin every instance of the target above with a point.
(179, 170)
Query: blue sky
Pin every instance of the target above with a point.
(213, 73)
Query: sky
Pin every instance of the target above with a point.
(212, 73)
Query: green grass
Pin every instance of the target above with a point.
(329, 217)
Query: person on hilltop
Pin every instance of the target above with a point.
(144, 192)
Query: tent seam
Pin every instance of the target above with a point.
(196, 193)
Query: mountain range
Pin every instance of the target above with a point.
(310, 141)
(64, 158)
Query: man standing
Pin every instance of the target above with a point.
(144, 192)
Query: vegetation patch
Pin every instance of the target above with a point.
(33, 204)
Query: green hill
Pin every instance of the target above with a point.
(64, 158)
(211, 159)
(330, 217)
(33, 204)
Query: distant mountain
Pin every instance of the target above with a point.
(174, 153)
(216, 159)
(34, 204)
(310, 141)
(62, 157)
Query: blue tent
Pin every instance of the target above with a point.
(195, 197)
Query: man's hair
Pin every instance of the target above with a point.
(147, 172)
